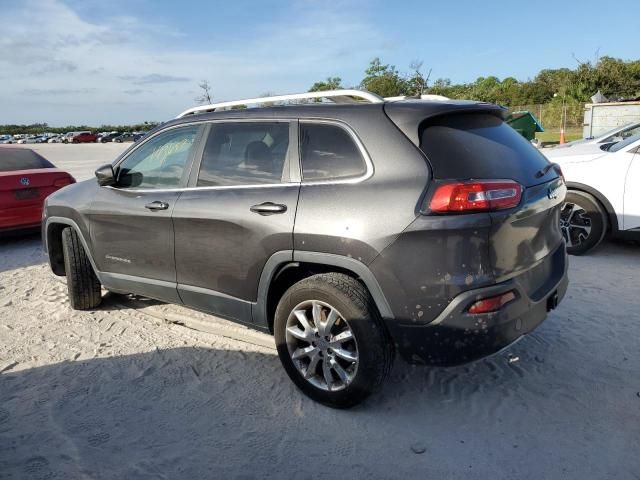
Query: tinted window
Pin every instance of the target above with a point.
(12, 159)
(477, 145)
(329, 152)
(160, 162)
(244, 154)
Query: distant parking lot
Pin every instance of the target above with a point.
(80, 160)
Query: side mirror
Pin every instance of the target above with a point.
(106, 176)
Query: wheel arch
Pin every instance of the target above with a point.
(611, 214)
(285, 268)
(52, 239)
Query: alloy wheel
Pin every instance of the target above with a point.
(322, 345)
(575, 224)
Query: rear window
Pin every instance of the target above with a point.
(329, 152)
(12, 159)
(477, 145)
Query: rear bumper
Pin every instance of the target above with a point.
(20, 217)
(457, 337)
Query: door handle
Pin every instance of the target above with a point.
(157, 205)
(268, 208)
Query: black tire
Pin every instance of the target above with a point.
(82, 283)
(582, 209)
(374, 347)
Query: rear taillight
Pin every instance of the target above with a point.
(492, 304)
(475, 196)
(63, 182)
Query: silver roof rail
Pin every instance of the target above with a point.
(338, 96)
(431, 97)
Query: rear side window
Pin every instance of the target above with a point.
(12, 159)
(329, 152)
(478, 145)
(249, 153)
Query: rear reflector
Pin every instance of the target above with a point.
(63, 182)
(492, 304)
(476, 196)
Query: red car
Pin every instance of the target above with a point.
(26, 179)
(84, 137)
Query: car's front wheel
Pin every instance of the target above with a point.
(331, 339)
(583, 222)
(82, 284)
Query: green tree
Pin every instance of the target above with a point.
(417, 82)
(331, 83)
(385, 80)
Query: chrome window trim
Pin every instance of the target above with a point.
(189, 189)
(365, 155)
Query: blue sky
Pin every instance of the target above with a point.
(120, 61)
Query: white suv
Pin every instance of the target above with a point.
(603, 193)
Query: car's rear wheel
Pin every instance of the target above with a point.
(331, 340)
(583, 222)
(82, 283)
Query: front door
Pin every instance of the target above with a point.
(239, 211)
(130, 223)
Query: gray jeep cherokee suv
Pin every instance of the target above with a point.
(349, 231)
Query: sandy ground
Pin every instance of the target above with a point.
(140, 389)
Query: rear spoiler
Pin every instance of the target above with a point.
(409, 115)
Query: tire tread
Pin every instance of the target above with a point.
(82, 284)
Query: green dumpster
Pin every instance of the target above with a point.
(525, 124)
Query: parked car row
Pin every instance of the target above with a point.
(73, 137)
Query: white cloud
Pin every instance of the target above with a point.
(61, 68)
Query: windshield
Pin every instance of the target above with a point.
(624, 143)
(619, 133)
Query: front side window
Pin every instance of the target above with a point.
(329, 152)
(239, 153)
(160, 162)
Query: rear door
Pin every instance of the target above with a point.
(238, 211)
(130, 223)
